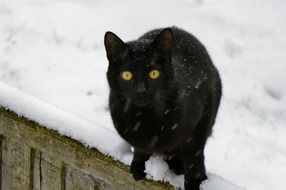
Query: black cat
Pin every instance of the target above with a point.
(164, 97)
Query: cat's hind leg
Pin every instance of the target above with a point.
(192, 152)
(194, 165)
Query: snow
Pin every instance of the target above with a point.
(53, 66)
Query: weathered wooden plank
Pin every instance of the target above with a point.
(1, 144)
(50, 172)
(56, 149)
(6, 176)
(35, 177)
(15, 165)
(76, 179)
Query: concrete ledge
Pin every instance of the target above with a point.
(37, 158)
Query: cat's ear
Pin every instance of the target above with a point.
(164, 42)
(114, 46)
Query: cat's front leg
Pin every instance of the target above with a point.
(194, 166)
(138, 164)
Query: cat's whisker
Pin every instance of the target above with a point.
(165, 98)
(166, 110)
(112, 106)
(161, 107)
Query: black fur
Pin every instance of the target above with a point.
(173, 114)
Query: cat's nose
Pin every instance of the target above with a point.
(141, 89)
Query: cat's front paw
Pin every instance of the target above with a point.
(137, 170)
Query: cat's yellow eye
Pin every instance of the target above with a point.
(126, 75)
(154, 74)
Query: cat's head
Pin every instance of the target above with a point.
(140, 70)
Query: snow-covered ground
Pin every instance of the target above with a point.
(53, 50)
